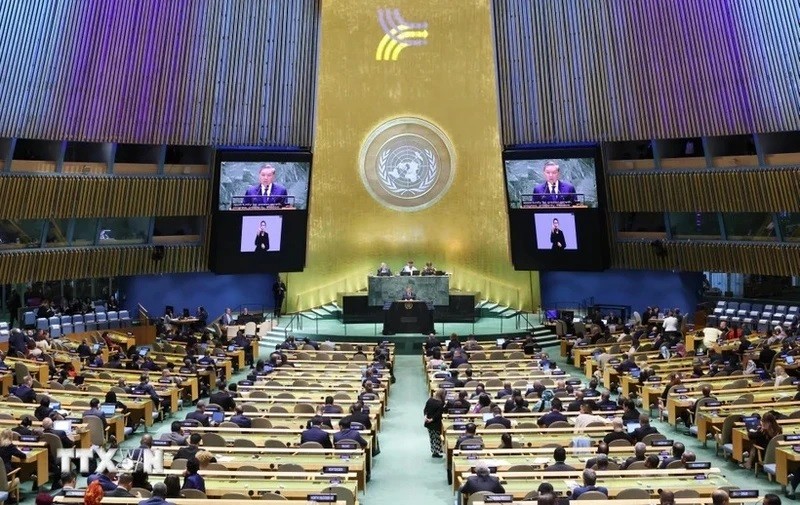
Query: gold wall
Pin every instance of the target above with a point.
(451, 82)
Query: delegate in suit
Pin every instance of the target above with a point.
(267, 191)
(553, 189)
(262, 239)
(557, 240)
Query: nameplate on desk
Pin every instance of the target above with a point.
(573, 382)
(457, 411)
(29, 438)
(471, 447)
(347, 445)
(165, 381)
(581, 344)
(40, 359)
(321, 498)
(498, 498)
(680, 390)
(190, 424)
(700, 477)
(662, 443)
(607, 408)
(614, 361)
(74, 493)
(245, 383)
(447, 385)
(185, 370)
(698, 465)
(713, 404)
(791, 437)
(162, 443)
(93, 365)
(743, 493)
(558, 372)
(654, 378)
(459, 426)
(335, 469)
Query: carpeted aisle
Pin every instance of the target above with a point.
(405, 472)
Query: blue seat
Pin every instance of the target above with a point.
(124, 318)
(113, 319)
(4, 334)
(29, 319)
(757, 307)
(42, 323)
(77, 323)
(89, 321)
(3, 325)
(55, 330)
(54, 320)
(102, 320)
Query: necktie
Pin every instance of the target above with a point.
(553, 189)
(263, 191)
(268, 188)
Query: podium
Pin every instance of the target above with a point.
(408, 317)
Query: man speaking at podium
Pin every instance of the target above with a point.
(553, 189)
(267, 191)
(408, 294)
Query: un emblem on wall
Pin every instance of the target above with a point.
(407, 164)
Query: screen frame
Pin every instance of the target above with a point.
(292, 256)
(591, 222)
(255, 156)
(548, 152)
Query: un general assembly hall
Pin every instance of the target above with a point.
(452, 252)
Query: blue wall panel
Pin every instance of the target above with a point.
(214, 292)
(636, 288)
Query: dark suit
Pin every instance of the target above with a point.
(383, 272)
(477, 483)
(557, 240)
(262, 242)
(559, 467)
(224, 400)
(276, 195)
(408, 296)
(616, 435)
(242, 421)
(316, 434)
(667, 461)
(499, 420)
(551, 417)
(350, 434)
(119, 492)
(641, 432)
(565, 192)
(24, 393)
(188, 452)
(359, 418)
(65, 441)
(201, 417)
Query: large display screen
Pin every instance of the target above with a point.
(247, 185)
(553, 182)
(555, 199)
(260, 217)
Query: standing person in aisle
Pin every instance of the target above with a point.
(434, 408)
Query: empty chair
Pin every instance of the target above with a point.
(124, 318)
(269, 495)
(213, 440)
(634, 493)
(261, 422)
(90, 322)
(113, 319)
(271, 442)
(55, 331)
(53, 320)
(592, 495)
(243, 442)
(66, 324)
(687, 493)
(140, 492)
(101, 320)
(343, 494)
(195, 494)
(42, 323)
(235, 496)
(78, 326)
(29, 319)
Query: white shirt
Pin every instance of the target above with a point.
(408, 268)
(583, 420)
(671, 323)
(710, 336)
(266, 190)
